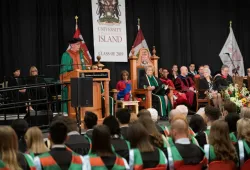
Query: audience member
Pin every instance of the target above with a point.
(211, 114)
(192, 72)
(9, 154)
(123, 116)
(20, 126)
(245, 112)
(182, 148)
(75, 140)
(231, 120)
(156, 138)
(120, 146)
(154, 116)
(59, 157)
(133, 117)
(90, 120)
(243, 130)
(220, 148)
(197, 123)
(143, 154)
(34, 141)
(144, 113)
(102, 156)
(229, 107)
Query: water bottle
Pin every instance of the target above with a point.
(130, 97)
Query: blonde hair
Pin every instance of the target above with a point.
(148, 67)
(31, 68)
(243, 129)
(245, 112)
(34, 140)
(9, 148)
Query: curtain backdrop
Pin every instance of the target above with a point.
(35, 32)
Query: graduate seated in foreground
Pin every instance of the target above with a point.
(143, 154)
(124, 86)
(183, 151)
(120, 146)
(102, 156)
(35, 143)
(59, 157)
(11, 158)
(90, 121)
(220, 148)
(243, 144)
(159, 97)
(76, 141)
(123, 117)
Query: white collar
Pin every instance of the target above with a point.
(73, 133)
(89, 130)
(208, 127)
(183, 141)
(59, 146)
(122, 126)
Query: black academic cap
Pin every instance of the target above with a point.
(75, 40)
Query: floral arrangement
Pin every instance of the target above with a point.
(239, 95)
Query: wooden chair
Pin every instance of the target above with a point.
(200, 91)
(137, 65)
(238, 80)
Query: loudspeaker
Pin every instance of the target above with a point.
(82, 92)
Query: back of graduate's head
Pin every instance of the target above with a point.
(20, 126)
(179, 127)
(123, 116)
(90, 120)
(58, 132)
(101, 142)
(139, 137)
(113, 125)
(212, 113)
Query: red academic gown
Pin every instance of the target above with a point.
(181, 97)
(183, 84)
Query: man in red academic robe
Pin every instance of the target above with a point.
(185, 84)
(175, 96)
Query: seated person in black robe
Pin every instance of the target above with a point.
(159, 97)
(76, 141)
(19, 95)
(37, 93)
(223, 80)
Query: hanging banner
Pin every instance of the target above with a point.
(109, 29)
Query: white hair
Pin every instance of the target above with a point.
(154, 114)
(207, 70)
(182, 109)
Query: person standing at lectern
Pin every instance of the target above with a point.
(72, 59)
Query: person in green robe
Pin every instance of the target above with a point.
(72, 59)
(160, 100)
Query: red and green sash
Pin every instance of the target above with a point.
(137, 162)
(48, 162)
(175, 160)
(2, 166)
(243, 145)
(97, 163)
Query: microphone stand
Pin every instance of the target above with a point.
(235, 70)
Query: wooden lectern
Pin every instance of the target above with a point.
(98, 77)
